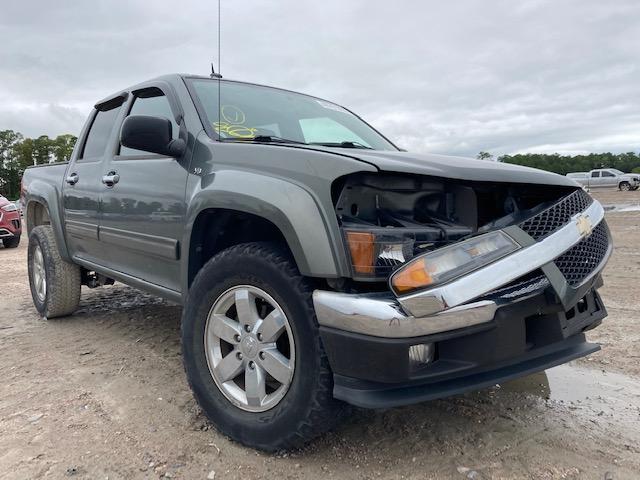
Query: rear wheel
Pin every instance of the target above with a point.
(11, 242)
(55, 283)
(252, 349)
(624, 186)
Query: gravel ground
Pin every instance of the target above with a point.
(102, 394)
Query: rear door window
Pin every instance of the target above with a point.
(607, 174)
(96, 143)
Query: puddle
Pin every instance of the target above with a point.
(622, 207)
(613, 397)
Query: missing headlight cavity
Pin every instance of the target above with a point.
(407, 214)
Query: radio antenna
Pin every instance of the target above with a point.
(218, 75)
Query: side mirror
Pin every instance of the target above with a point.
(151, 134)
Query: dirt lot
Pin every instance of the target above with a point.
(102, 394)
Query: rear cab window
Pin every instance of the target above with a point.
(97, 139)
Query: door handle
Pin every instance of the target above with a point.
(110, 179)
(72, 179)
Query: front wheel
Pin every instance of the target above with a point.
(252, 350)
(624, 186)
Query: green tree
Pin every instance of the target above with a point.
(10, 171)
(564, 164)
(62, 147)
(484, 156)
(42, 150)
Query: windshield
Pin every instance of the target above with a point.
(265, 114)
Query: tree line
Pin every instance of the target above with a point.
(18, 152)
(563, 164)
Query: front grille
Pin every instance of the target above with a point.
(579, 262)
(533, 282)
(554, 217)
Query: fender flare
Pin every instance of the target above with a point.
(48, 196)
(311, 233)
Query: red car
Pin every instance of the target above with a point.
(10, 224)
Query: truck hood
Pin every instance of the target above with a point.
(454, 167)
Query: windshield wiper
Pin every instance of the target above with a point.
(345, 144)
(262, 139)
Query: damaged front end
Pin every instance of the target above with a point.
(452, 278)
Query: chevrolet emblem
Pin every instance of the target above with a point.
(585, 227)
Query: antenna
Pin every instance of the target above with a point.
(219, 75)
(213, 73)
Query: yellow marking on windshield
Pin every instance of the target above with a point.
(236, 131)
(233, 114)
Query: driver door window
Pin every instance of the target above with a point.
(155, 104)
(608, 178)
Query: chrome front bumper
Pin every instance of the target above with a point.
(450, 306)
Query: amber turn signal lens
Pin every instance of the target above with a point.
(361, 247)
(413, 276)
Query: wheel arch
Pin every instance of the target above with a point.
(278, 207)
(42, 209)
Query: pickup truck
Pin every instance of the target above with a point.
(317, 264)
(606, 177)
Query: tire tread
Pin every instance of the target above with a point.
(63, 278)
(324, 412)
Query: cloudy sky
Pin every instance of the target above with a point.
(446, 77)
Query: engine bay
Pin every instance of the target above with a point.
(408, 214)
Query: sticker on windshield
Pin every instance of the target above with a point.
(331, 106)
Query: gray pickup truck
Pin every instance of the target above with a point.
(317, 264)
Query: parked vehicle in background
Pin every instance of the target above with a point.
(317, 263)
(18, 205)
(607, 177)
(10, 223)
(579, 177)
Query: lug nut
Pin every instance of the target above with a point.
(236, 337)
(239, 355)
(260, 336)
(247, 328)
(252, 365)
(261, 355)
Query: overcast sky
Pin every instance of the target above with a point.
(446, 77)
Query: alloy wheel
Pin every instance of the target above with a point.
(250, 348)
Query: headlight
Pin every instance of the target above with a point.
(452, 261)
(10, 208)
(376, 252)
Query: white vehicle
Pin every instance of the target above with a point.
(606, 177)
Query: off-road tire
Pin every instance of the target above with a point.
(624, 186)
(308, 408)
(11, 242)
(63, 278)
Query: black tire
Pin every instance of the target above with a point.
(624, 186)
(308, 408)
(63, 280)
(11, 242)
